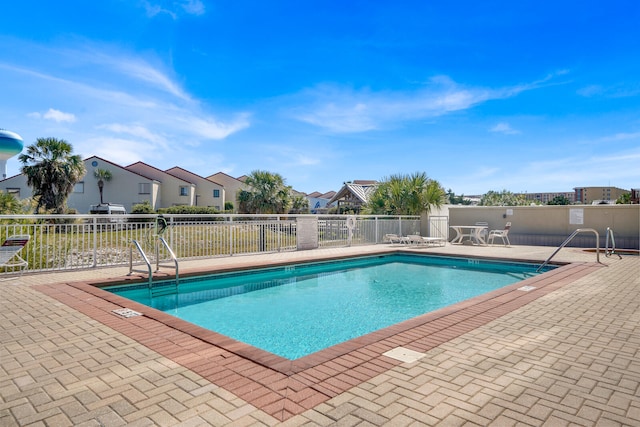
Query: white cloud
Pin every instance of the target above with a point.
(55, 115)
(122, 151)
(286, 155)
(174, 8)
(144, 72)
(193, 7)
(590, 90)
(209, 127)
(342, 109)
(137, 131)
(504, 128)
(620, 90)
(621, 136)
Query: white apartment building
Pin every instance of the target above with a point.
(131, 185)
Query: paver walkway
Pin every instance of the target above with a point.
(570, 357)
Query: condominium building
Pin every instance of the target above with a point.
(588, 195)
(545, 198)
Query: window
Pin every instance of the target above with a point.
(79, 187)
(216, 193)
(14, 191)
(184, 191)
(144, 188)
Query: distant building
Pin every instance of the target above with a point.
(353, 195)
(545, 198)
(207, 192)
(231, 186)
(318, 202)
(587, 195)
(132, 185)
(635, 196)
(174, 190)
(126, 187)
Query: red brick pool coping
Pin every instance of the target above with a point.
(284, 388)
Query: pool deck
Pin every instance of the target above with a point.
(564, 353)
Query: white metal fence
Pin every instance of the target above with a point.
(68, 242)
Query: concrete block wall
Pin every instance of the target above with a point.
(551, 225)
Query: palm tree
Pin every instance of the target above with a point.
(102, 175)
(406, 195)
(52, 171)
(503, 198)
(9, 204)
(267, 194)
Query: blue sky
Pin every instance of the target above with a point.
(516, 95)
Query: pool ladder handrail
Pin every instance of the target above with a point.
(149, 270)
(144, 257)
(568, 239)
(171, 255)
(608, 252)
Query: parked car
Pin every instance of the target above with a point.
(108, 209)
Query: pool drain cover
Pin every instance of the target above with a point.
(404, 354)
(527, 288)
(126, 312)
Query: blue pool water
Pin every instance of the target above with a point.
(297, 310)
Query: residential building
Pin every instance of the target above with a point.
(174, 191)
(207, 192)
(587, 195)
(635, 196)
(353, 195)
(126, 187)
(231, 186)
(318, 202)
(545, 198)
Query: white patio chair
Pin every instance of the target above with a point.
(503, 234)
(483, 234)
(393, 238)
(415, 239)
(10, 249)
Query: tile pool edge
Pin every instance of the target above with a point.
(196, 272)
(282, 387)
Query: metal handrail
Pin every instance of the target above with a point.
(171, 254)
(568, 239)
(608, 253)
(144, 257)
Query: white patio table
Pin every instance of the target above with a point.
(473, 232)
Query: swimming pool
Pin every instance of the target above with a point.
(296, 310)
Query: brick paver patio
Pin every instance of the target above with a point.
(567, 353)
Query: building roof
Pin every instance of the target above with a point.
(192, 177)
(328, 195)
(149, 168)
(361, 190)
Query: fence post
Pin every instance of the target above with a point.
(230, 235)
(171, 224)
(279, 224)
(94, 230)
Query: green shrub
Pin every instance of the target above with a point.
(191, 210)
(188, 210)
(142, 208)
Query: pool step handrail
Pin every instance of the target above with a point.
(171, 255)
(149, 271)
(608, 252)
(136, 244)
(568, 239)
